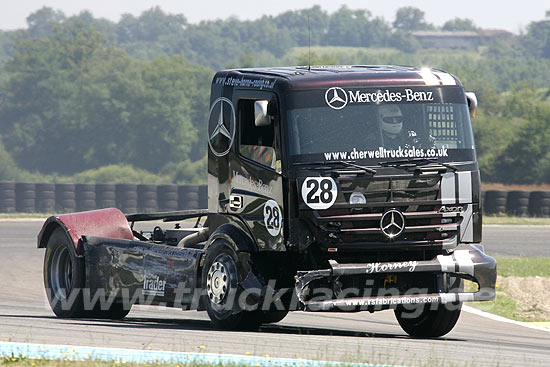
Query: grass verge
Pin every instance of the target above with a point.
(10, 216)
(514, 300)
(506, 220)
(524, 266)
(28, 362)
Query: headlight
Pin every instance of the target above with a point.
(357, 198)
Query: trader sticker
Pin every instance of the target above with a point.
(319, 192)
(272, 217)
(153, 286)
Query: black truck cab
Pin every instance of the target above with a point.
(323, 153)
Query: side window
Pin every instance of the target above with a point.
(257, 143)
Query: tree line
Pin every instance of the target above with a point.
(81, 93)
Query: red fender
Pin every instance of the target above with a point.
(109, 222)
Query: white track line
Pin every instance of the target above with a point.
(491, 316)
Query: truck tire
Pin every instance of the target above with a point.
(116, 311)
(220, 279)
(430, 323)
(271, 317)
(64, 276)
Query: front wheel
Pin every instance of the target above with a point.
(428, 322)
(220, 279)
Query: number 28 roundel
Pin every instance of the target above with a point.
(319, 192)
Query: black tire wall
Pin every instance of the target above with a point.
(7, 197)
(45, 197)
(147, 198)
(65, 197)
(25, 197)
(105, 196)
(131, 198)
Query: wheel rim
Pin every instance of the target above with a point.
(61, 272)
(217, 280)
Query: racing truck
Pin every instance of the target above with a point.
(330, 189)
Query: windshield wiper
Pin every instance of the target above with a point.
(415, 162)
(342, 163)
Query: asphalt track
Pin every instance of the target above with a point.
(358, 337)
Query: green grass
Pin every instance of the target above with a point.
(27, 362)
(506, 220)
(24, 215)
(504, 305)
(524, 266)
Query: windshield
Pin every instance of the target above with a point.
(379, 124)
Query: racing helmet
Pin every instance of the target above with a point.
(391, 119)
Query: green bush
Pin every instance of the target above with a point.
(119, 173)
(187, 172)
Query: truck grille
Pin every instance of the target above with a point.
(394, 189)
(416, 198)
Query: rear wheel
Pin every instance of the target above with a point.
(63, 276)
(220, 279)
(116, 311)
(65, 279)
(429, 323)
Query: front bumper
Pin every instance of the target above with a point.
(466, 262)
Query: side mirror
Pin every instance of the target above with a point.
(472, 103)
(261, 118)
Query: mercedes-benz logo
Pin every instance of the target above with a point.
(221, 126)
(392, 223)
(336, 98)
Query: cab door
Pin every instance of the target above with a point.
(256, 183)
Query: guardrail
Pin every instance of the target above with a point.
(28, 197)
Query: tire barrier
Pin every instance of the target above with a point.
(25, 197)
(105, 196)
(539, 204)
(203, 196)
(168, 197)
(517, 203)
(147, 198)
(7, 197)
(45, 197)
(65, 197)
(126, 197)
(85, 197)
(188, 197)
(495, 201)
